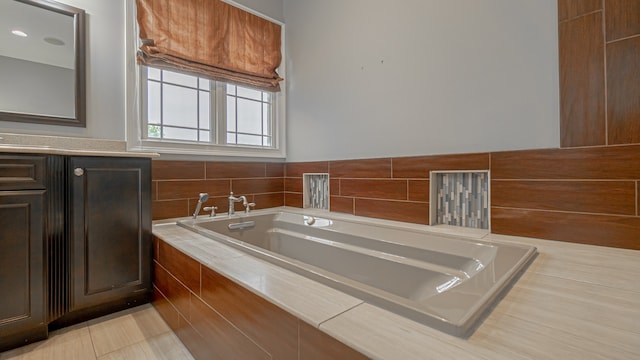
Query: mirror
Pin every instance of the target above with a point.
(42, 62)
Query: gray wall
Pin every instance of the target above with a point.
(379, 78)
(270, 8)
(35, 88)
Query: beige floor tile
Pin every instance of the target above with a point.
(125, 328)
(72, 343)
(162, 347)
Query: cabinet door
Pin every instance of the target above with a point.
(22, 303)
(110, 229)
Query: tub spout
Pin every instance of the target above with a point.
(233, 200)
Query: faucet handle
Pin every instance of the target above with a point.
(212, 209)
(248, 207)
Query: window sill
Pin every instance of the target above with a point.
(190, 149)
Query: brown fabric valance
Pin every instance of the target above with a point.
(212, 39)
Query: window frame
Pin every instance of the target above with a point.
(136, 98)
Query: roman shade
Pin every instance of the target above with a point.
(212, 39)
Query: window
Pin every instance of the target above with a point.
(186, 108)
(172, 112)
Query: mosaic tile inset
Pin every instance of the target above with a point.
(462, 199)
(316, 191)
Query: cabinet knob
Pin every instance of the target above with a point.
(78, 171)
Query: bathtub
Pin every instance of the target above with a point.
(442, 281)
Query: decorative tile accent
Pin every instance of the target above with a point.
(462, 199)
(316, 191)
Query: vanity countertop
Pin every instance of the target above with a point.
(60, 145)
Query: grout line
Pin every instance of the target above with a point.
(93, 346)
(490, 161)
(408, 198)
(353, 206)
(391, 160)
(622, 39)
(581, 15)
(340, 313)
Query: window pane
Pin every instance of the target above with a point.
(153, 131)
(266, 119)
(204, 84)
(180, 134)
(249, 116)
(231, 113)
(180, 106)
(204, 136)
(250, 93)
(249, 139)
(153, 73)
(153, 102)
(205, 119)
(180, 79)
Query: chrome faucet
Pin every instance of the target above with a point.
(203, 197)
(232, 200)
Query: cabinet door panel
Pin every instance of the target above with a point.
(111, 244)
(21, 260)
(113, 236)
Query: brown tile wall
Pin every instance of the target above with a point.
(586, 195)
(176, 185)
(390, 188)
(599, 43)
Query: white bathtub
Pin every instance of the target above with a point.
(442, 281)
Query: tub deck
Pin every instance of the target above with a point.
(573, 302)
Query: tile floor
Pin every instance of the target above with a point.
(138, 333)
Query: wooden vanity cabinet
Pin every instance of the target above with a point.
(75, 241)
(22, 250)
(109, 231)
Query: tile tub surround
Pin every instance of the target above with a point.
(574, 301)
(176, 185)
(583, 195)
